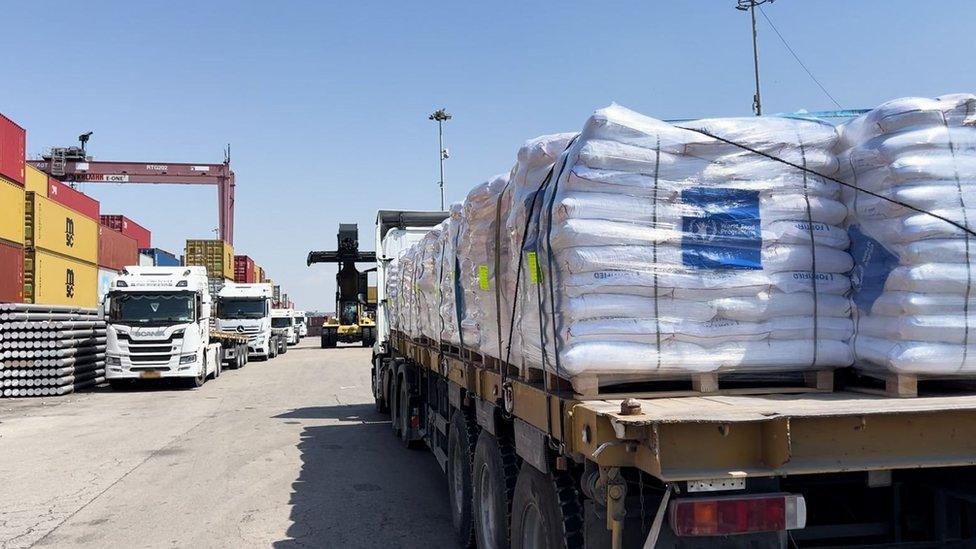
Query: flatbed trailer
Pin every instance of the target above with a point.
(703, 468)
(233, 348)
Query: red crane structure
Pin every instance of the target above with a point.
(70, 164)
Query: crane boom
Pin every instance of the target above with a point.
(154, 173)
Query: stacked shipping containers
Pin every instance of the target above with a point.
(129, 228)
(244, 269)
(156, 257)
(61, 252)
(218, 258)
(12, 177)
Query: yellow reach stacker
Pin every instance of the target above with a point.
(354, 319)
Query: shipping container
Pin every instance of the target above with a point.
(35, 180)
(115, 250)
(13, 150)
(63, 194)
(53, 279)
(55, 228)
(256, 273)
(146, 260)
(275, 292)
(11, 211)
(244, 269)
(215, 284)
(262, 275)
(11, 273)
(216, 255)
(128, 227)
(105, 278)
(161, 258)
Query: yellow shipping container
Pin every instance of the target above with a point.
(35, 181)
(216, 255)
(55, 228)
(52, 279)
(11, 211)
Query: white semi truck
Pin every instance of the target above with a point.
(246, 309)
(301, 321)
(284, 319)
(158, 327)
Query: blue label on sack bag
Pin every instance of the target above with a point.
(872, 265)
(722, 229)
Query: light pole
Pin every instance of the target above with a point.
(441, 116)
(750, 6)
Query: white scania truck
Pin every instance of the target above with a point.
(284, 319)
(246, 309)
(158, 327)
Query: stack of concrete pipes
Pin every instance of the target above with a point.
(48, 350)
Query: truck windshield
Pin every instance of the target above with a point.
(242, 308)
(281, 322)
(151, 308)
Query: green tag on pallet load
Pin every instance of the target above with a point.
(483, 277)
(535, 275)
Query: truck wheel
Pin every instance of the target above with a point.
(394, 392)
(403, 417)
(494, 473)
(546, 510)
(198, 381)
(382, 406)
(462, 438)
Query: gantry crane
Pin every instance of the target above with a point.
(354, 320)
(73, 165)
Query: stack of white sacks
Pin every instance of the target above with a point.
(915, 269)
(667, 251)
(450, 300)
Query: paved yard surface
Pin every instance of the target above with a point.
(287, 453)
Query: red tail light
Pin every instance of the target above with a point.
(737, 514)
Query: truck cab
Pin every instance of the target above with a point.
(158, 326)
(246, 309)
(302, 322)
(285, 319)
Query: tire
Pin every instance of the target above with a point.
(461, 442)
(403, 417)
(197, 382)
(494, 474)
(382, 406)
(546, 511)
(394, 392)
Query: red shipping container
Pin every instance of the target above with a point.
(128, 227)
(244, 269)
(13, 149)
(11, 273)
(115, 250)
(76, 200)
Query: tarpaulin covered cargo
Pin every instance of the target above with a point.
(13, 148)
(216, 255)
(62, 193)
(11, 273)
(129, 228)
(11, 211)
(244, 269)
(115, 250)
(53, 279)
(56, 228)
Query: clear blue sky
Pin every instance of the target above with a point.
(325, 104)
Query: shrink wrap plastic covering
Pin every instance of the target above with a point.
(661, 250)
(641, 247)
(450, 298)
(913, 245)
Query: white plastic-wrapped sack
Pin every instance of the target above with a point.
(662, 250)
(913, 245)
(476, 259)
(427, 284)
(450, 300)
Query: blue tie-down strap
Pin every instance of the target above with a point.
(722, 229)
(872, 265)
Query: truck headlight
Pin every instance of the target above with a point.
(188, 359)
(113, 360)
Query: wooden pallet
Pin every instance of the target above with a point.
(645, 386)
(900, 385)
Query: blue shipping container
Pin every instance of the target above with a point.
(161, 258)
